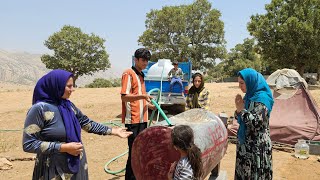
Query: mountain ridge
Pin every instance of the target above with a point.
(24, 68)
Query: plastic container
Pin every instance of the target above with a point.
(153, 153)
(314, 147)
(301, 149)
(155, 71)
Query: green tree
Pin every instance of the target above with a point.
(217, 73)
(178, 32)
(116, 82)
(104, 83)
(243, 56)
(99, 83)
(289, 33)
(75, 51)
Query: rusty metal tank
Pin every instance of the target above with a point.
(153, 153)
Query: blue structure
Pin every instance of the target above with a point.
(186, 68)
(176, 98)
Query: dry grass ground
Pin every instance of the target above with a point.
(103, 105)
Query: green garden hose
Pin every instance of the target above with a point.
(161, 112)
(157, 100)
(7, 130)
(107, 170)
(154, 102)
(113, 123)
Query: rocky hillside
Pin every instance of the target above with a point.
(20, 67)
(25, 69)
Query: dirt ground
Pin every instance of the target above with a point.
(103, 105)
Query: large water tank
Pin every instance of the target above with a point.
(155, 71)
(152, 151)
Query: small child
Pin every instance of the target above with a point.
(190, 165)
(175, 76)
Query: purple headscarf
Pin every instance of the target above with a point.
(50, 88)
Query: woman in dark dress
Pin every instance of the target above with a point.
(254, 147)
(52, 130)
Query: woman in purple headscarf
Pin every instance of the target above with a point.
(53, 126)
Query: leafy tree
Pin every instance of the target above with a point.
(217, 73)
(77, 52)
(243, 56)
(178, 32)
(116, 82)
(289, 33)
(104, 83)
(99, 83)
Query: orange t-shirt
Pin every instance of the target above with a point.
(136, 111)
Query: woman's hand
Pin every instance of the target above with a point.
(171, 170)
(73, 148)
(121, 132)
(239, 103)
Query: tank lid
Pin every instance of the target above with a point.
(161, 62)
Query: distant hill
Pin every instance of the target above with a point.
(24, 68)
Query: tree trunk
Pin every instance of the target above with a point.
(74, 81)
(318, 73)
(301, 70)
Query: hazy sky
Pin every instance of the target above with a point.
(26, 24)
